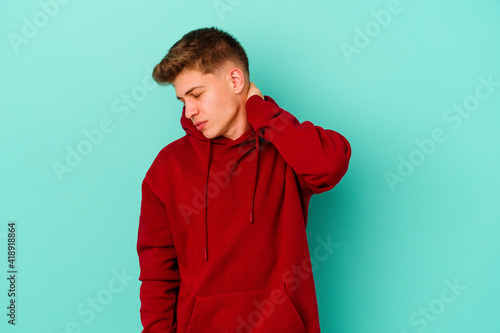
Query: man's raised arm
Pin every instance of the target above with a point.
(319, 157)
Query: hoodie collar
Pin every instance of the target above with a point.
(221, 142)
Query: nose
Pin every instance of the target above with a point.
(190, 110)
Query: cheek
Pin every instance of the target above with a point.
(217, 105)
(209, 104)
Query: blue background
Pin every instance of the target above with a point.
(385, 74)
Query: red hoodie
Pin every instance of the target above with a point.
(222, 231)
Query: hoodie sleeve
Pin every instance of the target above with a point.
(318, 156)
(158, 263)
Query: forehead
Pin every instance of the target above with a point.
(188, 79)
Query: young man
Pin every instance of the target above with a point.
(222, 240)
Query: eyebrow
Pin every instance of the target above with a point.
(187, 92)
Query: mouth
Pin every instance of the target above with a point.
(200, 125)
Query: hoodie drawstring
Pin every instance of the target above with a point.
(206, 188)
(255, 175)
(206, 200)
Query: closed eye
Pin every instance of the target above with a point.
(194, 96)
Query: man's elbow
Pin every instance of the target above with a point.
(339, 163)
(339, 169)
(335, 170)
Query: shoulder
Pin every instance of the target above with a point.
(168, 159)
(171, 152)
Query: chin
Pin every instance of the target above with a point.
(209, 135)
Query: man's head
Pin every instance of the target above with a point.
(210, 73)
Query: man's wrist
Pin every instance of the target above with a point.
(257, 108)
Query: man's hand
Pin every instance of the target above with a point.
(253, 90)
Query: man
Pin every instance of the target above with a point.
(222, 243)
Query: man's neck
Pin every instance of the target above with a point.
(240, 125)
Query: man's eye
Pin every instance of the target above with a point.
(196, 96)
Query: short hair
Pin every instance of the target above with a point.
(205, 50)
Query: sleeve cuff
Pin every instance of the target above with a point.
(258, 109)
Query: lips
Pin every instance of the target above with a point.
(200, 124)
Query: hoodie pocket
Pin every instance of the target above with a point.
(261, 310)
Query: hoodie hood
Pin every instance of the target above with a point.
(249, 138)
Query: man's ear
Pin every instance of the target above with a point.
(237, 80)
